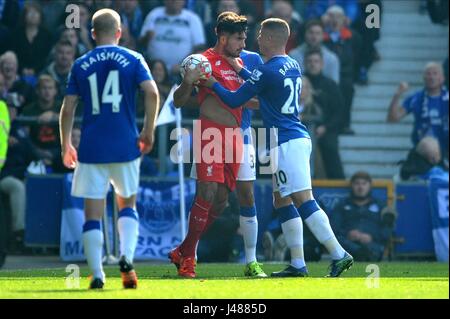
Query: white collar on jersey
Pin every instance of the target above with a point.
(105, 46)
(277, 56)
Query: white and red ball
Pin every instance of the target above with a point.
(192, 61)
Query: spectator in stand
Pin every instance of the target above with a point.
(313, 40)
(53, 11)
(72, 36)
(84, 32)
(369, 36)
(328, 96)
(161, 76)
(9, 11)
(424, 161)
(362, 223)
(44, 132)
(342, 41)
(127, 40)
(311, 115)
(18, 92)
(59, 69)
(231, 6)
(429, 107)
(31, 41)
(132, 17)
(316, 9)
(5, 38)
(20, 155)
(438, 11)
(283, 9)
(170, 33)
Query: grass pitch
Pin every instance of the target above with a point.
(397, 280)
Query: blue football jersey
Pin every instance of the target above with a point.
(278, 83)
(251, 61)
(107, 79)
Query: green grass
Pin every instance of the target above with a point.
(397, 280)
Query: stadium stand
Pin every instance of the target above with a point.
(408, 41)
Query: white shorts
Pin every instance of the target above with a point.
(290, 166)
(92, 180)
(247, 169)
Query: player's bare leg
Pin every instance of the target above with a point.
(292, 227)
(93, 240)
(184, 255)
(128, 227)
(319, 224)
(249, 227)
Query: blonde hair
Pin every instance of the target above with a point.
(434, 64)
(45, 78)
(278, 28)
(106, 22)
(8, 55)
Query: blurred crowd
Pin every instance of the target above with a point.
(329, 39)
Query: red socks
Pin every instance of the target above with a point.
(197, 222)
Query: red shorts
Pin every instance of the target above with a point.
(219, 153)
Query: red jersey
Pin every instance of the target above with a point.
(226, 76)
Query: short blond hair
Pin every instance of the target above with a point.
(45, 78)
(278, 27)
(106, 22)
(434, 64)
(8, 55)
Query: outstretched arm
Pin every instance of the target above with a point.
(234, 99)
(68, 152)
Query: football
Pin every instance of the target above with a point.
(192, 61)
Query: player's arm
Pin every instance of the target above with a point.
(66, 117)
(151, 106)
(396, 111)
(239, 68)
(183, 93)
(245, 93)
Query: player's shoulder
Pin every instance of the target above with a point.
(211, 55)
(128, 52)
(253, 54)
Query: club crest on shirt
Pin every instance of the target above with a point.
(256, 75)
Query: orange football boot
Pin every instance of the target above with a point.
(175, 257)
(187, 267)
(129, 277)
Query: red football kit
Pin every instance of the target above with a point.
(225, 170)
